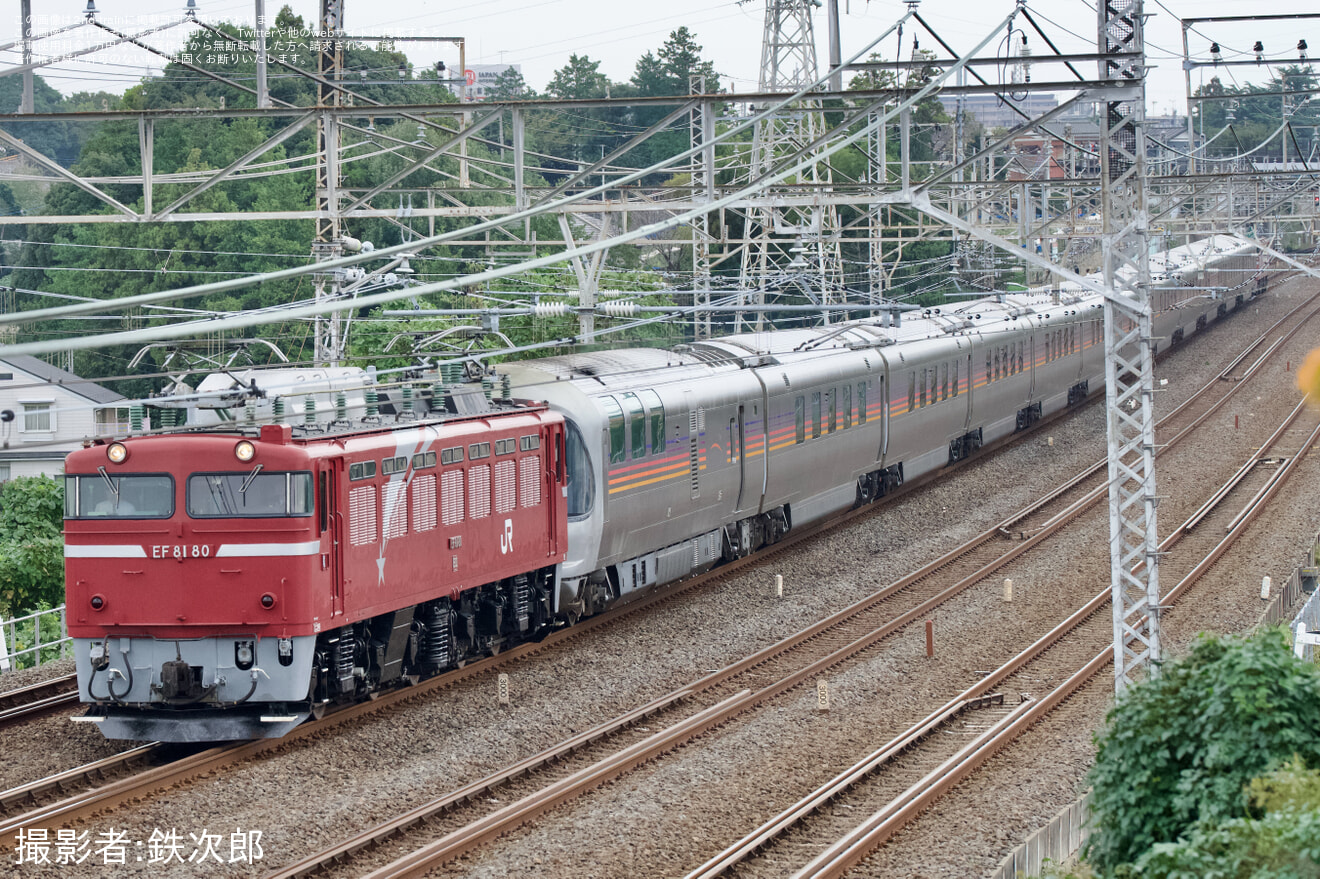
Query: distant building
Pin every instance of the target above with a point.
(48, 412)
(1040, 156)
(994, 112)
(481, 78)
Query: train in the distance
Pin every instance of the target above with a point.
(229, 584)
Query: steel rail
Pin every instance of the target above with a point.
(846, 852)
(437, 853)
(37, 700)
(180, 772)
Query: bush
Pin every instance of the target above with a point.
(31, 544)
(1284, 844)
(24, 638)
(1182, 747)
(31, 506)
(31, 575)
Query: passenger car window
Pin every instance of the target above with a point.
(636, 425)
(615, 415)
(656, 414)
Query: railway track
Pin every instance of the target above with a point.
(721, 689)
(610, 750)
(935, 764)
(38, 700)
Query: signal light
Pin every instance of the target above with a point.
(245, 451)
(268, 601)
(117, 453)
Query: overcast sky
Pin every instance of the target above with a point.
(541, 34)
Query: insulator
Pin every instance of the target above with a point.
(277, 406)
(506, 387)
(549, 309)
(407, 398)
(135, 418)
(341, 407)
(618, 309)
(250, 412)
(309, 411)
(452, 373)
(488, 388)
(373, 410)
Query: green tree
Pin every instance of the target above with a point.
(1184, 745)
(32, 545)
(1282, 844)
(578, 79)
(509, 85)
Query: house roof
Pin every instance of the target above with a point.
(81, 386)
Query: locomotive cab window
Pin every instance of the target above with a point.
(249, 494)
(102, 496)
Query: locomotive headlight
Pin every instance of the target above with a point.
(117, 453)
(245, 451)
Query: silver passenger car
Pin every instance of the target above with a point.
(679, 459)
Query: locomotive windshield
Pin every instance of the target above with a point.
(250, 493)
(581, 485)
(102, 496)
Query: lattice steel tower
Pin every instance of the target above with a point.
(328, 243)
(789, 248)
(1129, 382)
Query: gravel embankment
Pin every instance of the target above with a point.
(669, 817)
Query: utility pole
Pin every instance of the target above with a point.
(28, 103)
(328, 243)
(1129, 355)
(263, 93)
(701, 132)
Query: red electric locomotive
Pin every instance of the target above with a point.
(226, 586)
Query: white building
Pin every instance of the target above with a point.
(45, 413)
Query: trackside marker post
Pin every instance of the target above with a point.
(1008, 589)
(930, 638)
(1265, 588)
(503, 688)
(779, 585)
(822, 695)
